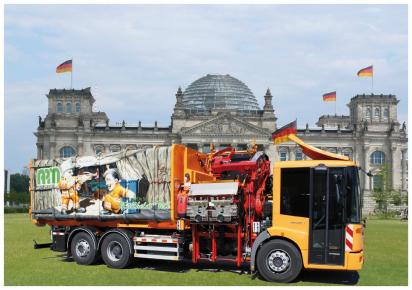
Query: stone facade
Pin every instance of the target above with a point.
(370, 134)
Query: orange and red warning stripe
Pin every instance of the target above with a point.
(349, 238)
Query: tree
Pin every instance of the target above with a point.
(19, 189)
(19, 182)
(383, 192)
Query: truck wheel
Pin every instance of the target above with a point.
(83, 249)
(116, 252)
(279, 261)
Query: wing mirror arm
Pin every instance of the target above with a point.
(368, 173)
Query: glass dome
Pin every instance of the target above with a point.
(219, 92)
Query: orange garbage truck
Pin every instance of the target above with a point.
(174, 203)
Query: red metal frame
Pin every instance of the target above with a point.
(213, 235)
(239, 245)
(255, 175)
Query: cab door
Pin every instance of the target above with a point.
(326, 213)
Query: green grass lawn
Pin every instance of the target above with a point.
(386, 263)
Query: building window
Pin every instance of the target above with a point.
(347, 152)
(377, 112)
(59, 108)
(98, 150)
(115, 148)
(377, 158)
(241, 147)
(131, 147)
(67, 151)
(206, 149)
(192, 146)
(332, 150)
(368, 113)
(386, 113)
(298, 155)
(77, 107)
(68, 107)
(283, 154)
(220, 147)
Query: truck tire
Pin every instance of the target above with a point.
(279, 261)
(116, 251)
(83, 249)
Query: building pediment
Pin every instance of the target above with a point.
(225, 125)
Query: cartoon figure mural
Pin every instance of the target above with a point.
(111, 201)
(114, 184)
(69, 186)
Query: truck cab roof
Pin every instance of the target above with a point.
(313, 163)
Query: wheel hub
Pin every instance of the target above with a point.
(114, 251)
(82, 248)
(117, 251)
(278, 261)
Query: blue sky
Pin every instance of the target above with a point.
(134, 57)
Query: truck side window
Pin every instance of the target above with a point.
(295, 191)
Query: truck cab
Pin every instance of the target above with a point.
(315, 221)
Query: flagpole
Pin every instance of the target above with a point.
(71, 76)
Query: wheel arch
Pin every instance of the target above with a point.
(89, 230)
(125, 233)
(262, 239)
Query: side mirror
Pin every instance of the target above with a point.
(369, 173)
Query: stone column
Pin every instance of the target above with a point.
(80, 145)
(106, 148)
(52, 145)
(355, 152)
(266, 149)
(79, 149)
(404, 170)
(46, 150)
(395, 167)
(39, 150)
(365, 166)
(53, 150)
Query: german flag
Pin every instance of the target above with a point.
(281, 135)
(329, 97)
(65, 67)
(366, 72)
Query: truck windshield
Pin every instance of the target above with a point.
(353, 211)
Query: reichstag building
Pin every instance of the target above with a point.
(222, 110)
